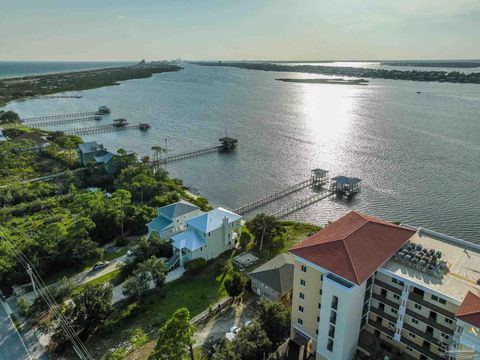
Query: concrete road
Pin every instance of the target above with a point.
(12, 346)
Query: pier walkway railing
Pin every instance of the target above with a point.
(189, 154)
(61, 121)
(100, 129)
(273, 197)
(323, 194)
(60, 116)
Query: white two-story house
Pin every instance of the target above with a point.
(172, 218)
(207, 235)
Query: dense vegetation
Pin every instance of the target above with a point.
(440, 76)
(60, 224)
(28, 86)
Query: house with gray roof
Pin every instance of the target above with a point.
(274, 279)
(172, 218)
(87, 151)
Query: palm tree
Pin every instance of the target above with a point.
(158, 150)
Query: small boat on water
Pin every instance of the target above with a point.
(144, 126)
(104, 109)
(120, 122)
(98, 117)
(419, 92)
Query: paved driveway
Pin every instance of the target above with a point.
(11, 344)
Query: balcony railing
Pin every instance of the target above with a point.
(383, 314)
(421, 349)
(388, 287)
(419, 300)
(386, 301)
(429, 321)
(423, 334)
(377, 325)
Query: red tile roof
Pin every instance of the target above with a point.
(469, 311)
(354, 246)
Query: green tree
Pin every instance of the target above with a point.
(91, 307)
(252, 343)
(156, 269)
(9, 117)
(265, 229)
(274, 318)
(224, 351)
(136, 285)
(121, 199)
(175, 341)
(234, 284)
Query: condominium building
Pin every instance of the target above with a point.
(364, 285)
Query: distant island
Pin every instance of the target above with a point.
(18, 88)
(443, 64)
(415, 75)
(327, 81)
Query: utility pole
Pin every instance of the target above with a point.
(29, 271)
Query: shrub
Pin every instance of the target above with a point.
(245, 239)
(195, 266)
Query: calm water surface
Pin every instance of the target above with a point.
(418, 154)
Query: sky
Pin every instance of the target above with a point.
(107, 30)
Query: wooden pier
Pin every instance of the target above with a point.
(101, 129)
(323, 194)
(319, 181)
(63, 121)
(227, 145)
(59, 116)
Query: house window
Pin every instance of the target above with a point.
(334, 302)
(302, 282)
(409, 348)
(208, 234)
(330, 345)
(412, 335)
(318, 318)
(331, 331)
(419, 307)
(319, 305)
(300, 308)
(395, 311)
(321, 277)
(300, 321)
(302, 296)
(448, 321)
(437, 299)
(396, 296)
(304, 268)
(414, 321)
(316, 331)
(320, 292)
(391, 324)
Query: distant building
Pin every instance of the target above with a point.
(274, 279)
(172, 218)
(39, 141)
(363, 285)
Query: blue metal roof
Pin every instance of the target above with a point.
(159, 224)
(89, 147)
(189, 239)
(179, 208)
(104, 157)
(212, 220)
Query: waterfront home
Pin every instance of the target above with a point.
(87, 151)
(207, 235)
(363, 285)
(105, 158)
(274, 279)
(39, 142)
(172, 218)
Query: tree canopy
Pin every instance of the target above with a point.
(265, 229)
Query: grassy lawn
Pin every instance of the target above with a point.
(195, 293)
(111, 276)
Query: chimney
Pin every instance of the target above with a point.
(226, 231)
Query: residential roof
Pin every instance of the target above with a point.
(89, 147)
(159, 224)
(354, 246)
(189, 239)
(469, 311)
(212, 220)
(103, 156)
(463, 261)
(179, 208)
(276, 273)
(32, 136)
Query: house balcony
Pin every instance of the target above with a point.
(388, 287)
(419, 300)
(426, 335)
(429, 321)
(380, 327)
(383, 314)
(386, 301)
(421, 349)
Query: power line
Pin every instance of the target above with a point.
(78, 345)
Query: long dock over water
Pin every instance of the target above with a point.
(102, 129)
(319, 181)
(59, 116)
(62, 121)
